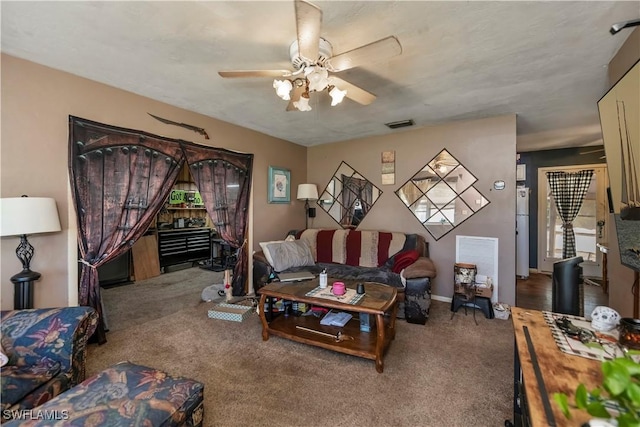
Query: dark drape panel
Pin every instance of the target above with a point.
(366, 196)
(568, 190)
(120, 180)
(224, 180)
(348, 199)
(356, 188)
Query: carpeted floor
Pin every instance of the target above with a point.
(157, 297)
(448, 372)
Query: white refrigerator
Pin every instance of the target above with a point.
(522, 232)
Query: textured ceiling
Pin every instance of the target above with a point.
(544, 61)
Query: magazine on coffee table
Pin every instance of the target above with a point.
(336, 318)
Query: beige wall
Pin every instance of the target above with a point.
(620, 277)
(486, 147)
(36, 103)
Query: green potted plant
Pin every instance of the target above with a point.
(617, 398)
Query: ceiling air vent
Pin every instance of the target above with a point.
(400, 124)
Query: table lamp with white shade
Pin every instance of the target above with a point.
(20, 216)
(307, 192)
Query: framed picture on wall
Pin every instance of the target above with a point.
(279, 190)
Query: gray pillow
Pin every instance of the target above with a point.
(290, 254)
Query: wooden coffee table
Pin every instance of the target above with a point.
(378, 300)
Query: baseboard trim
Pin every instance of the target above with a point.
(439, 298)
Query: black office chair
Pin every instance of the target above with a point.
(567, 295)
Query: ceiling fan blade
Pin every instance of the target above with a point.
(372, 52)
(255, 73)
(295, 95)
(359, 95)
(593, 151)
(308, 23)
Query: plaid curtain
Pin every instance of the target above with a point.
(568, 190)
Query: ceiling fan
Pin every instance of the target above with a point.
(312, 59)
(595, 151)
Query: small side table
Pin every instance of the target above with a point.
(468, 298)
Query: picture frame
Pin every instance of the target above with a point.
(279, 185)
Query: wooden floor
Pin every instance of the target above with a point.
(535, 293)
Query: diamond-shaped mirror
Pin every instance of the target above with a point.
(348, 196)
(441, 195)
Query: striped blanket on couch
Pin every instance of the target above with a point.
(355, 248)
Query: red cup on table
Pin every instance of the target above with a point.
(338, 288)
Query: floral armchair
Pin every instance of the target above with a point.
(46, 351)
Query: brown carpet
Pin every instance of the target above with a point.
(157, 297)
(448, 372)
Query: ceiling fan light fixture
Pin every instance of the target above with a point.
(283, 88)
(318, 78)
(337, 95)
(302, 104)
(313, 60)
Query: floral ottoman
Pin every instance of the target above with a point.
(123, 395)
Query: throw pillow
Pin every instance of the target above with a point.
(290, 254)
(423, 267)
(404, 260)
(265, 249)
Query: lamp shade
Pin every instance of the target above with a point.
(302, 103)
(283, 88)
(337, 96)
(28, 215)
(307, 192)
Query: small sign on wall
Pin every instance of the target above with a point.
(388, 167)
(176, 197)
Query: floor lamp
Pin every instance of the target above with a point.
(307, 192)
(21, 216)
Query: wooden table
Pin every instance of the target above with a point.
(561, 372)
(379, 301)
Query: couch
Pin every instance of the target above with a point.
(396, 259)
(124, 395)
(46, 351)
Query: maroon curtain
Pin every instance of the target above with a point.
(223, 179)
(120, 180)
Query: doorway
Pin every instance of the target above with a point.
(121, 179)
(589, 225)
